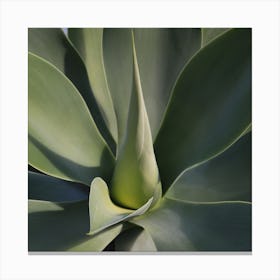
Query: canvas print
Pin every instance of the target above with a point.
(139, 139)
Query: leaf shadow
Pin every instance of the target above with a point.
(76, 71)
(72, 169)
(58, 230)
(44, 187)
(218, 227)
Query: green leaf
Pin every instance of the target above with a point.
(210, 107)
(118, 62)
(42, 187)
(63, 139)
(136, 240)
(52, 45)
(136, 178)
(209, 34)
(161, 54)
(55, 226)
(89, 43)
(248, 130)
(34, 170)
(99, 241)
(104, 213)
(223, 178)
(181, 226)
(63, 227)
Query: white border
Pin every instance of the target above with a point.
(262, 16)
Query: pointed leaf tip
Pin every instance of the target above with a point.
(136, 175)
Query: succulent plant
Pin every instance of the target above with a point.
(139, 139)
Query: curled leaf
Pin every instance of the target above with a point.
(104, 213)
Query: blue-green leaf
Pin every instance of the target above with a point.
(181, 226)
(99, 241)
(135, 239)
(226, 177)
(136, 177)
(118, 63)
(63, 139)
(63, 227)
(89, 43)
(43, 187)
(161, 54)
(52, 45)
(104, 213)
(210, 107)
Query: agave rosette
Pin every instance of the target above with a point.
(142, 138)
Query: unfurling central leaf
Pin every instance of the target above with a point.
(136, 175)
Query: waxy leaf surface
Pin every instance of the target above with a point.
(136, 177)
(118, 63)
(226, 177)
(43, 187)
(162, 54)
(104, 213)
(52, 45)
(182, 226)
(63, 139)
(210, 107)
(135, 239)
(63, 227)
(89, 43)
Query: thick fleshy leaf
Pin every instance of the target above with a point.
(136, 177)
(104, 213)
(209, 34)
(161, 54)
(118, 62)
(42, 187)
(63, 138)
(181, 226)
(63, 227)
(226, 177)
(52, 45)
(135, 239)
(89, 43)
(210, 107)
(99, 241)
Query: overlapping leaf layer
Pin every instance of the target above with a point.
(139, 139)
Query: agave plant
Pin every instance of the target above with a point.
(139, 139)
